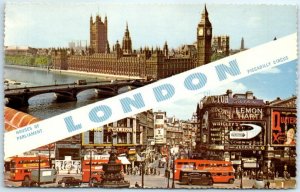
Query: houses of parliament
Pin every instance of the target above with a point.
(122, 60)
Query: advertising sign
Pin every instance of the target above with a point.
(284, 125)
(248, 113)
(249, 134)
(159, 136)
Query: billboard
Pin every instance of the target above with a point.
(159, 136)
(284, 125)
(247, 134)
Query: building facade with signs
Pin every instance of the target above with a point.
(242, 129)
(281, 149)
(174, 136)
(160, 128)
(123, 60)
(127, 135)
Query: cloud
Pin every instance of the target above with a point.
(273, 70)
(254, 21)
(236, 87)
(184, 108)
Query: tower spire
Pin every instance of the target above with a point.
(242, 44)
(204, 36)
(126, 44)
(205, 10)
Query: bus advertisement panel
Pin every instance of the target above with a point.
(21, 167)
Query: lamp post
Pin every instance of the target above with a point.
(168, 174)
(49, 155)
(39, 172)
(143, 173)
(90, 179)
(173, 171)
(241, 174)
(167, 168)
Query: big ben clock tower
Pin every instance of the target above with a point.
(204, 35)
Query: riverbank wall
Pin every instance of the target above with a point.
(80, 73)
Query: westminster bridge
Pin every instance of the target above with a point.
(18, 97)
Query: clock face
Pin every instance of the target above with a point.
(208, 32)
(200, 31)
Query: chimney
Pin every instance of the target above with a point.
(249, 95)
(229, 93)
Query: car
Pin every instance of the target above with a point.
(259, 184)
(69, 181)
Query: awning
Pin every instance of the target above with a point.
(138, 158)
(124, 160)
(14, 119)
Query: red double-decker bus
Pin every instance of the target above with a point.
(222, 171)
(20, 167)
(96, 169)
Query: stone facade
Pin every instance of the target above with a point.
(123, 60)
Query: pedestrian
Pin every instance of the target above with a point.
(137, 185)
(268, 184)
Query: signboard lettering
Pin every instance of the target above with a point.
(284, 128)
(248, 113)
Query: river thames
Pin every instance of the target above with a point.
(44, 106)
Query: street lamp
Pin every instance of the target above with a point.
(143, 173)
(173, 171)
(90, 150)
(39, 172)
(241, 174)
(168, 174)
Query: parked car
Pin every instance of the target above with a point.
(259, 184)
(69, 181)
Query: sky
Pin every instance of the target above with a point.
(56, 24)
(266, 85)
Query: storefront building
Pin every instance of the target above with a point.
(280, 152)
(242, 129)
(128, 136)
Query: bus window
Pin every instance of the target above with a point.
(224, 174)
(219, 174)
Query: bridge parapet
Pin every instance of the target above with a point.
(68, 92)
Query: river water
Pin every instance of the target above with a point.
(44, 106)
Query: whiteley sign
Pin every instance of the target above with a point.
(249, 134)
(164, 91)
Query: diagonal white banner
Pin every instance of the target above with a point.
(191, 82)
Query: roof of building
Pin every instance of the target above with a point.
(278, 102)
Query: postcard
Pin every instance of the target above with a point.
(150, 95)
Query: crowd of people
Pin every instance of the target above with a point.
(137, 170)
(252, 174)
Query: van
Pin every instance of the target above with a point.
(46, 175)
